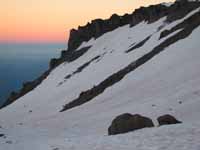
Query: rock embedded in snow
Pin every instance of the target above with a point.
(127, 122)
(167, 119)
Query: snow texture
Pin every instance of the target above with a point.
(34, 122)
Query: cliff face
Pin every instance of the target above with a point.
(150, 14)
(95, 29)
(99, 26)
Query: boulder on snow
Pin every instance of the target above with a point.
(128, 122)
(167, 119)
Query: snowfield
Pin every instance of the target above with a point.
(156, 88)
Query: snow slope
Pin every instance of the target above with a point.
(34, 122)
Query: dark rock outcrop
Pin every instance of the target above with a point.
(79, 69)
(140, 44)
(186, 24)
(180, 9)
(68, 56)
(167, 119)
(149, 14)
(128, 122)
(54, 62)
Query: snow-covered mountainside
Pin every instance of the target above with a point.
(149, 67)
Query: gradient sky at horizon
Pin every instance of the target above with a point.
(50, 21)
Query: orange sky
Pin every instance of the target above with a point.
(51, 20)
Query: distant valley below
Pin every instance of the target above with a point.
(23, 62)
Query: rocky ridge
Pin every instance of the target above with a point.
(99, 26)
